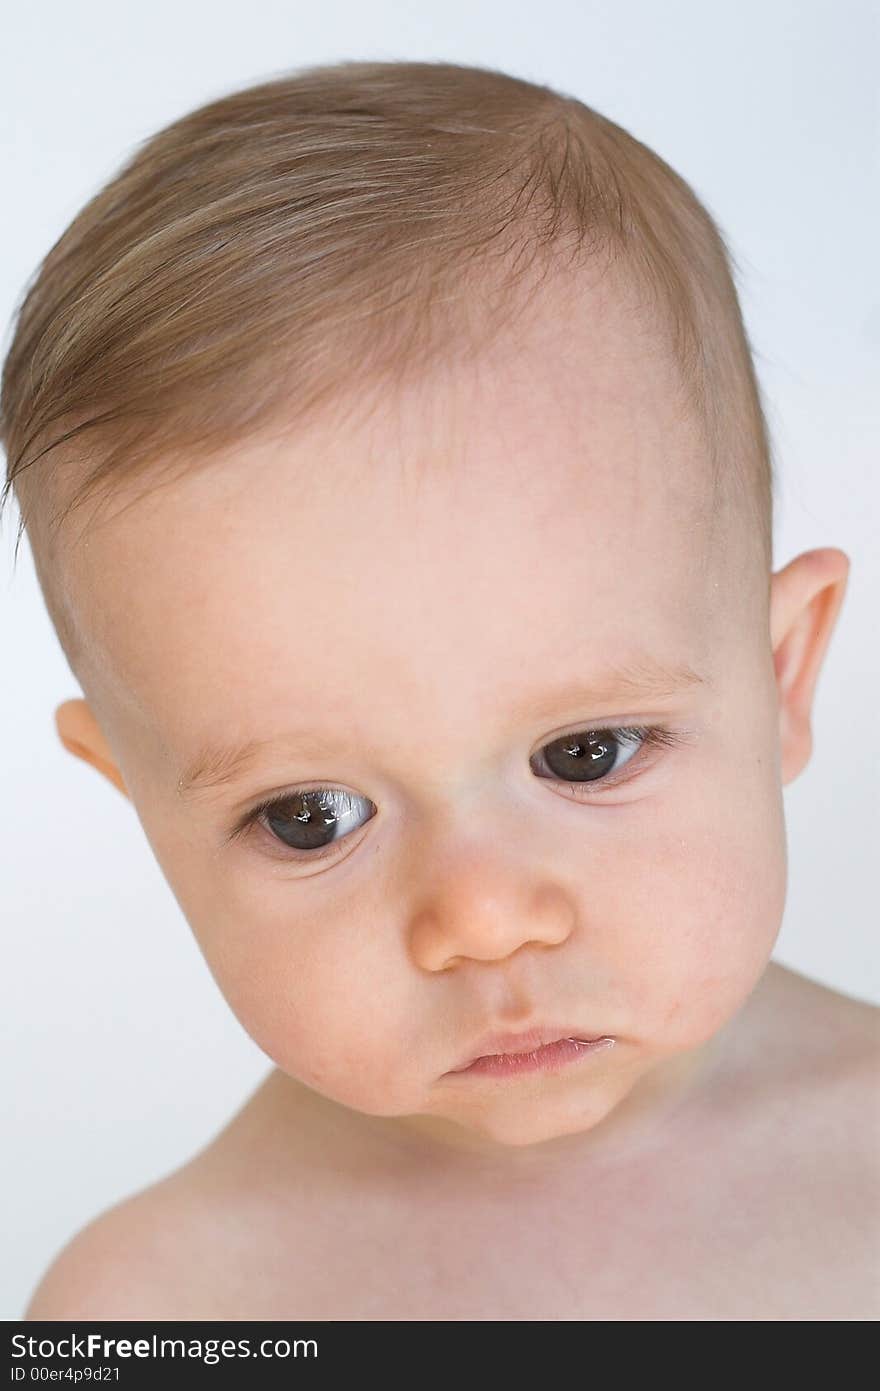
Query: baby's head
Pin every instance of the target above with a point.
(418, 484)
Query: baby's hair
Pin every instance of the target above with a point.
(291, 242)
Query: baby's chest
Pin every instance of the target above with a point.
(752, 1257)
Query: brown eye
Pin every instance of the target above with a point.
(596, 755)
(313, 820)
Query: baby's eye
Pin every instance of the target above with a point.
(597, 756)
(310, 821)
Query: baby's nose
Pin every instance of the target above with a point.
(486, 911)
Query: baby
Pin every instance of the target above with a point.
(440, 656)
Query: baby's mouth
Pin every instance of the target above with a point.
(536, 1047)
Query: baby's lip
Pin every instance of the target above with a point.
(526, 1042)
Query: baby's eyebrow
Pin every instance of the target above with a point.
(644, 678)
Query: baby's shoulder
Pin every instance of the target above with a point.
(852, 1036)
(188, 1246)
(821, 1055)
(821, 1047)
(817, 1023)
(128, 1262)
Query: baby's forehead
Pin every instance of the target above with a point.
(581, 390)
(365, 604)
(511, 442)
(575, 377)
(547, 496)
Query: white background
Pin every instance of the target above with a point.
(121, 1058)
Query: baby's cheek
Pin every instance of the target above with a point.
(310, 1000)
(280, 988)
(711, 896)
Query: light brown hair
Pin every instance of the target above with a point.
(292, 241)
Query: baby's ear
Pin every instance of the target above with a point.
(81, 735)
(805, 602)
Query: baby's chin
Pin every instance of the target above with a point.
(522, 1127)
(479, 1115)
(550, 1122)
(606, 1113)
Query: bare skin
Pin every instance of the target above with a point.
(762, 1183)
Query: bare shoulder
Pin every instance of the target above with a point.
(820, 1128)
(821, 1023)
(845, 1031)
(825, 1051)
(161, 1253)
(809, 1060)
(123, 1264)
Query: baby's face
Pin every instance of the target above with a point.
(423, 611)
